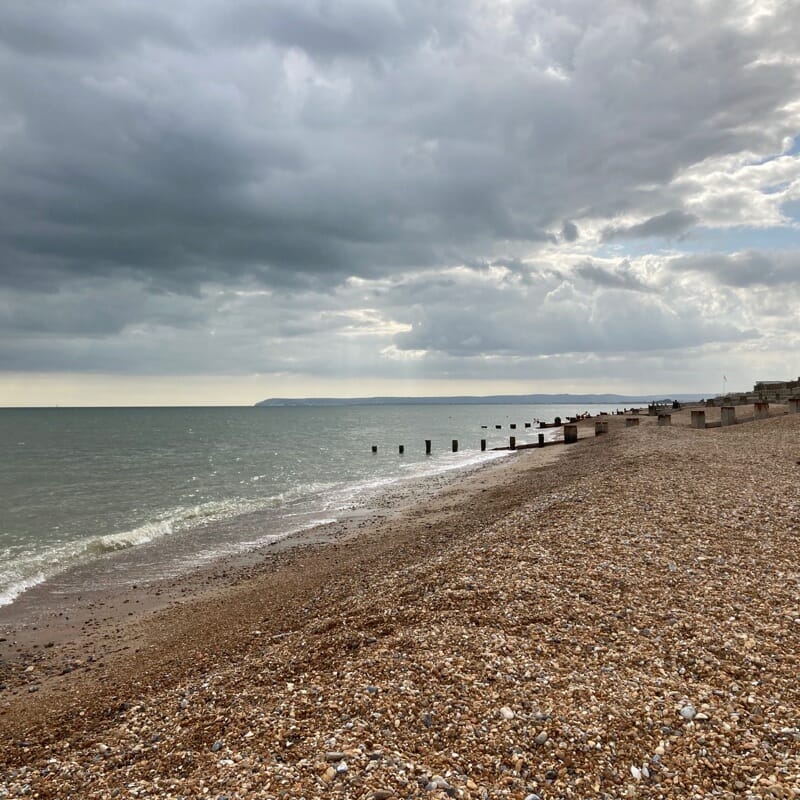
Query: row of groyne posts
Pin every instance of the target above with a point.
(512, 442)
(570, 436)
(728, 417)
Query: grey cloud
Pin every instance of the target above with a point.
(155, 160)
(569, 231)
(549, 317)
(745, 270)
(670, 224)
(194, 148)
(620, 278)
(350, 28)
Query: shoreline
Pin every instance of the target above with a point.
(123, 551)
(62, 637)
(621, 620)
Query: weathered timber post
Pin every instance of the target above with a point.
(634, 411)
(632, 422)
(761, 410)
(498, 427)
(570, 434)
(427, 447)
(541, 439)
(455, 445)
(728, 415)
(512, 442)
(699, 418)
(794, 405)
(483, 445)
(600, 427)
(527, 424)
(513, 426)
(664, 419)
(374, 448)
(401, 449)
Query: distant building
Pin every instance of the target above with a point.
(763, 391)
(776, 391)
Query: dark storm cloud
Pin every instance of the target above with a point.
(160, 157)
(671, 223)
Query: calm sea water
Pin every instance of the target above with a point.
(149, 492)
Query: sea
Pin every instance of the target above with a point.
(141, 494)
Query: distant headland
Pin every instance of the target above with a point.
(497, 399)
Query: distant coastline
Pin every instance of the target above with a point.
(504, 399)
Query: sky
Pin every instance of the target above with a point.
(220, 201)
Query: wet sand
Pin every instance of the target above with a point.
(619, 617)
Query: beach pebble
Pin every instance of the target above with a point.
(533, 797)
(216, 747)
(334, 755)
(636, 773)
(688, 712)
(382, 794)
(506, 713)
(541, 737)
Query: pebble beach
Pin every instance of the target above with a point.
(615, 618)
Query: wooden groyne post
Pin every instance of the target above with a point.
(664, 419)
(761, 410)
(374, 448)
(401, 449)
(728, 415)
(512, 442)
(541, 440)
(483, 445)
(600, 427)
(427, 447)
(570, 434)
(699, 418)
(632, 422)
(455, 445)
(794, 405)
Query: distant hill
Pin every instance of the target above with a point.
(497, 399)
